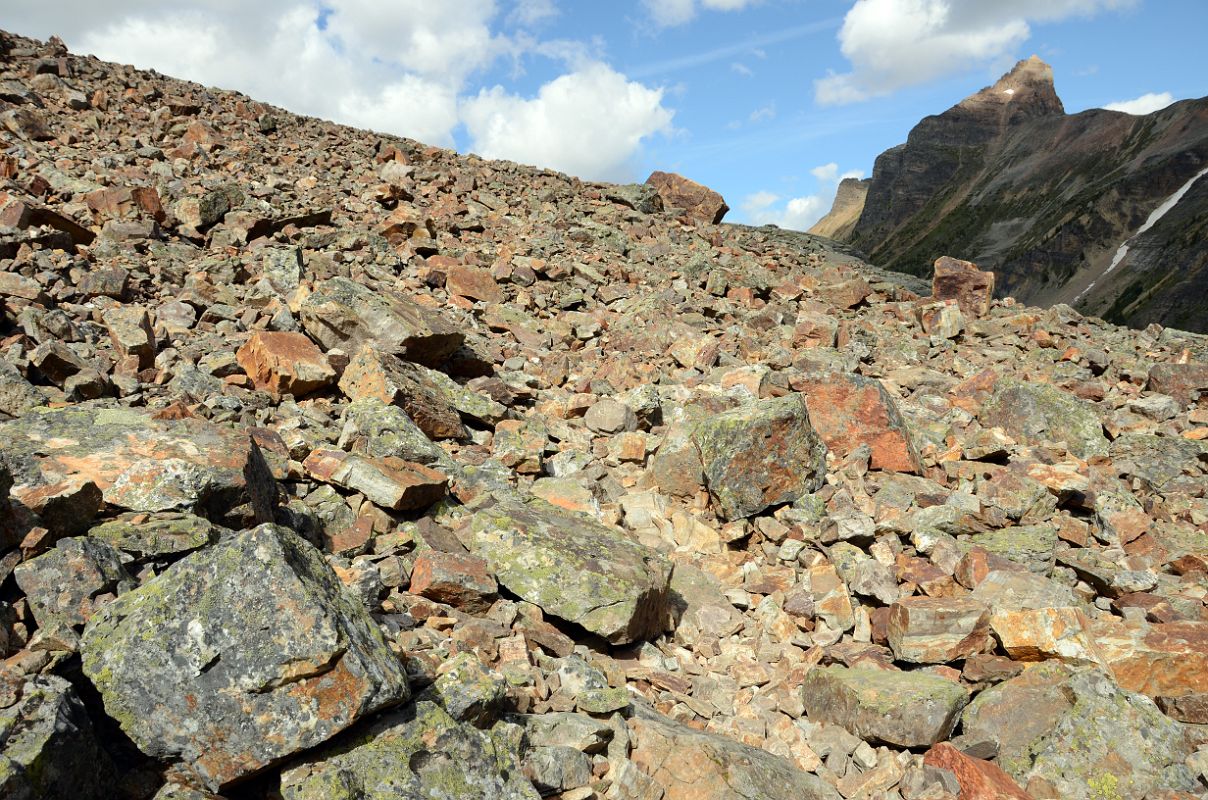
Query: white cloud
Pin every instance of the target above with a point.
(796, 213)
(1145, 104)
(763, 113)
(409, 67)
(742, 69)
(669, 13)
(826, 172)
(892, 44)
(588, 123)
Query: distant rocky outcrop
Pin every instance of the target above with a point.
(841, 220)
(1045, 199)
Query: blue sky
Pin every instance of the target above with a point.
(768, 101)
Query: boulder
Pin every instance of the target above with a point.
(962, 281)
(141, 463)
(238, 656)
(416, 752)
(978, 779)
(67, 584)
(1034, 413)
(573, 568)
(849, 410)
(344, 314)
(285, 363)
(377, 429)
(17, 395)
(694, 765)
(388, 482)
(146, 537)
(1077, 735)
(373, 374)
(1168, 662)
(699, 202)
(906, 709)
(759, 455)
(48, 747)
(936, 630)
(130, 331)
(1184, 382)
(456, 579)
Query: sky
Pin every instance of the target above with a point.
(770, 102)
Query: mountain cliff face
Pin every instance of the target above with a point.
(845, 213)
(1009, 180)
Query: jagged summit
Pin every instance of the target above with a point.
(1029, 84)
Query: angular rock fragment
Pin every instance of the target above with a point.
(936, 630)
(1186, 383)
(849, 410)
(418, 751)
(466, 281)
(1079, 735)
(760, 455)
(285, 363)
(344, 314)
(456, 579)
(694, 765)
(573, 568)
(49, 748)
(1167, 662)
(376, 429)
(906, 709)
(700, 202)
(140, 463)
(962, 281)
(238, 656)
(67, 584)
(130, 331)
(978, 779)
(381, 376)
(1035, 413)
(152, 536)
(17, 395)
(388, 482)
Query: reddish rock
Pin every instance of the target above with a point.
(388, 482)
(978, 779)
(1047, 633)
(1168, 662)
(936, 630)
(472, 282)
(397, 382)
(962, 281)
(850, 410)
(460, 580)
(1183, 382)
(699, 202)
(285, 363)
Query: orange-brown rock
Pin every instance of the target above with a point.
(388, 482)
(936, 630)
(460, 580)
(390, 379)
(283, 362)
(1168, 662)
(849, 410)
(962, 281)
(699, 202)
(978, 779)
(473, 282)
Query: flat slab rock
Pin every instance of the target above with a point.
(140, 463)
(694, 765)
(907, 709)
(238, 656)
(573, 568)
(415, 752)
(344, 314)
(1035, 413)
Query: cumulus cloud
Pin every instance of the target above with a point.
(795, 213)
(408, 67)
(1145, 104)
(561, 126)
(669, 13)
(892, 44)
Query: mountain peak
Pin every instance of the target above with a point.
(1027, 91)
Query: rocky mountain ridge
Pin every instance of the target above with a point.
(1007, 179)
(334, 465)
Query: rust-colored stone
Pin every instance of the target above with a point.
(978, 779)
(962, 281)
(285, 363)
(850, 410)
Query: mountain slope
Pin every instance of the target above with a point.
(1007, 179)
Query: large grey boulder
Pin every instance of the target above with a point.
(694, 765)
(907, 709)
(1035, 413)
(238, 656)
(415, 752)
(48, 748)
(1079, 733)
(573, 568)
(344, 314)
